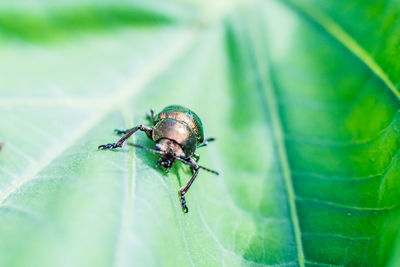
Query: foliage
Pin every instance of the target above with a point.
(302, 96)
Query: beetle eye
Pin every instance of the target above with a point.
(182, 155)
(158, 147)
(166, 163)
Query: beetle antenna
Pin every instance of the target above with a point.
(154, 151)
(209, 170)
(195, 165)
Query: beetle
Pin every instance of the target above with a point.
(177, 132)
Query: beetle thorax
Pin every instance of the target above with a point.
(176, 131)
(171, 149)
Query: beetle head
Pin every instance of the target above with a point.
(167, 160)
(169, 151)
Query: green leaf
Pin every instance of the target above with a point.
(36, 26)
(302, 97)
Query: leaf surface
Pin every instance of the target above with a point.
(303, 104)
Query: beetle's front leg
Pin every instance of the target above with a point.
(151, 117)
(185, 188)
(128, 133)
(121, 132)
(196, 157)
(183, 202)
(205, 142)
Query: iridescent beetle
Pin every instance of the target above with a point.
(177, 131)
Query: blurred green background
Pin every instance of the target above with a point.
(301, 95)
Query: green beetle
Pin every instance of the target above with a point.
(178, 132)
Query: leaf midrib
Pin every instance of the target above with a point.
(128, 198)
(269, 98)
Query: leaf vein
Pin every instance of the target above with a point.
(344, 206)
(338, 33)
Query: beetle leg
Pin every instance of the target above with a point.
(183, 203)
(196, 157)
(122, 132)
(146, 129)
(205, 142)
(184, 189)
(151, 117)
